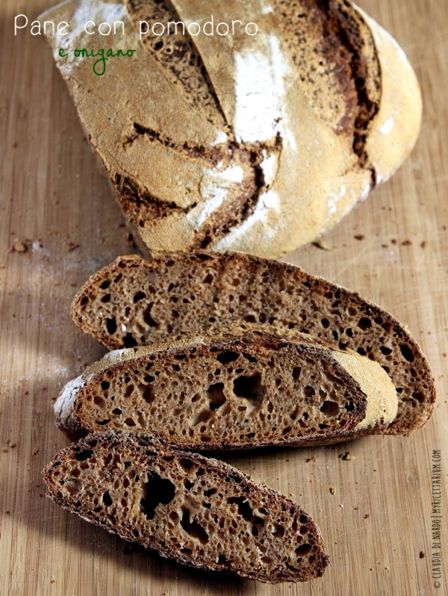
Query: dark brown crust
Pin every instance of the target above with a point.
(78, 424)
(311, 287)
(138, 440)
(345, 52)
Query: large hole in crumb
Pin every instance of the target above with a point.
(250, 357)
(147, 317)
(250, 319)
(330, 408)
(244, 508)
(129, 341)
(129, 390)
(364, 323)
(193, 528)
(216, 397)
(296, 372)
(278, 531)
(186, 464)
(147, 392)
(227, 357)
(156, 491)
(83, 455)
(209, 492)
(249, 387)
(111, 325)
(107, 499)
(407, 352)
(303, 550)
(139, 296)
(419, 396)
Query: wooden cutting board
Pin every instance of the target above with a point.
(373, 504)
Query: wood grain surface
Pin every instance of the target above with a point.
(374, 509)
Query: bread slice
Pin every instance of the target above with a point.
(246, 389)
(136, 302)
(198, 511)
(252, 142)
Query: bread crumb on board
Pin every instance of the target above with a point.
(320, 244)
(346, 456)
(19, 246)
(72, 246)
(22, 246)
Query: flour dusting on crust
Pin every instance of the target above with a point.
(268, 203)
(260, 92)
(64, 404)
(87, 10)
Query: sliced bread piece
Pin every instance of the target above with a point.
(136, 302)
(244, 390)
(198, 511)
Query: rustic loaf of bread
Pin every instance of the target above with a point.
(233, 389)
(134, 302)
(257, 143)
(199, 511)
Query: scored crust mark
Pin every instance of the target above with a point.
(140, 206)
(177, 54)
(198, 511)
(253, 391)
(243, 200)
(340, 72)
(213, 155)
(366, 75)
(189, 293)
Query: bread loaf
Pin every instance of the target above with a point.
(245, 389)
(136, 302)
(198, 511)
(256, 143)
